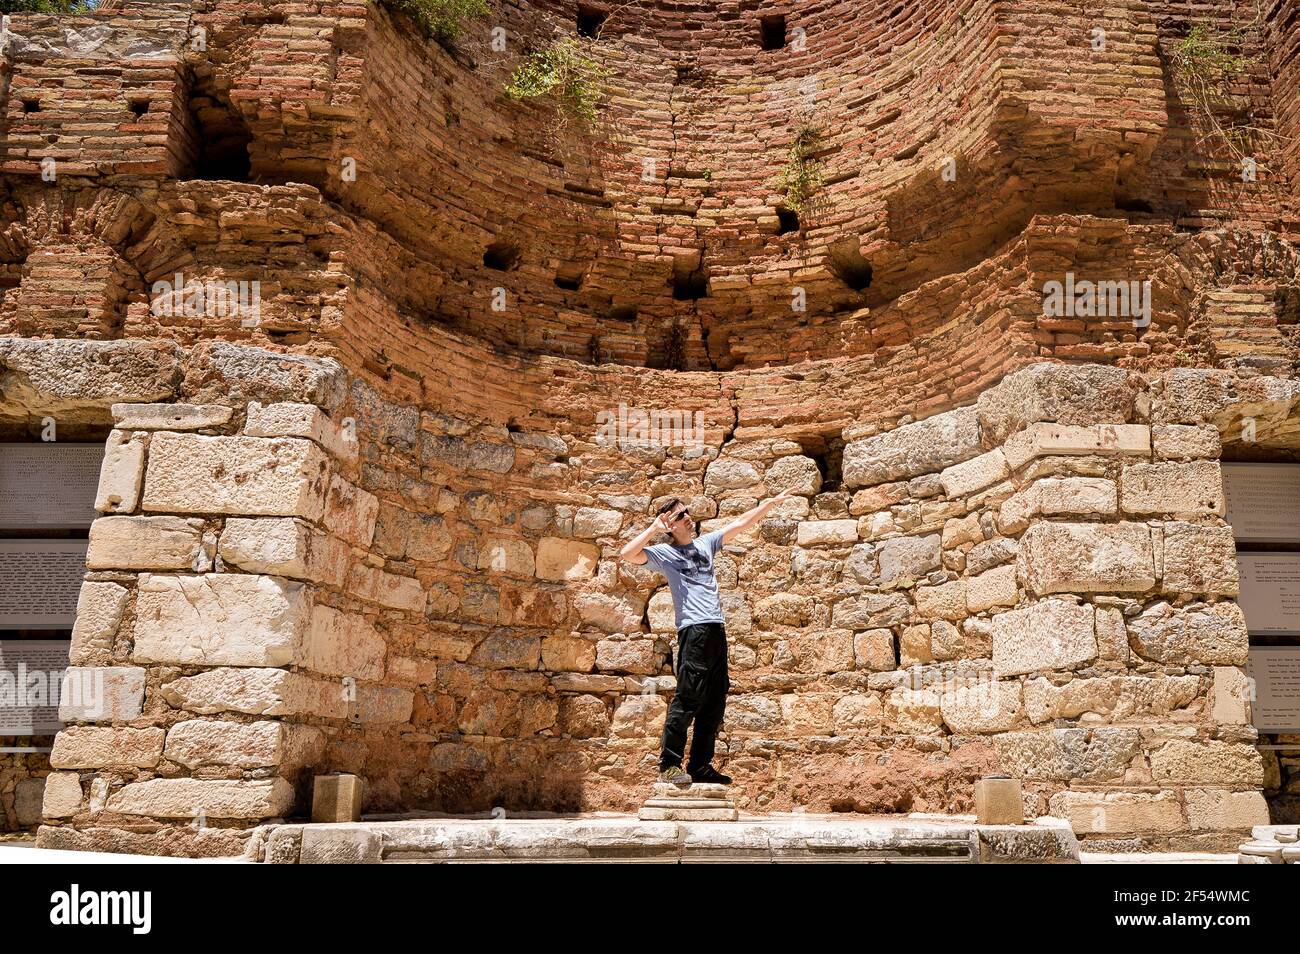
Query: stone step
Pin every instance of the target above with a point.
(608, 837)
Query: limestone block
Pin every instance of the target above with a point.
(871, 611)
(996, 587)
(1208, 762)
(1047, 636)
(1053, 496)
(584, 717)
(1071, 394)
(387, 589)
(1112, 635)
(914, 711)
(121, 473)
(1199, 558)
(999, 801)
(975, 474)
(784, 609)
(914, 646)
(640, 716)
(947, 601)
(1064, 440)
(66, 375)
(1117, 813)
(197, 742)
(258, 476)
(29, 793)
(662, 616)
(263, 692)
(99, 613)
(636, 656)
(1100, 754)
(611, 612)
(981, 706)
(1186, 442)
(170, 417)
(145, 543)
(1109, 698)
(336, 798)
(1173, 487)
(822, 652)
(188, 797)
(380, 704)
(874, 650)
(91, 746)
(62, 795)
(1087, 558)
(592, 522)
(350, 513)
(726, 474)
(101, 693)
(507, 650)
(796, 473)
(559, 559)
(282, 546)
(1230, 694)
(291, 419)
(219, 619)
(922, 447)
(827, 532)
(508, 555)
(1213, 634)
(343, 644)
(908, 557)
(568, 653)
(807, 714)
(1219, 810)
(857, 713)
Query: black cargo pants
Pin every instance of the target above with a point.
(701, 695)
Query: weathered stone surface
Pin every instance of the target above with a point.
(1185, 441)
(871, 611)
(1199, 559)
(264, 692)
(592, 522)
(386, 589)
(61, 795)
(1230, 695)
(636, 656)
(1043, 440)
(1111, 813)
(1049, 635)
(170, 417)
(121, 474)
(728, 474)
(1087, 558)
(1208, 762)
(1052, 496)
(198, 742)
(947, 601)
(69, 375)
(975, 474)
(827, 532)
(343, 644)
(1173, 487)
(922, 447)
(86, 746)
(559, 559)
(1219, 810)
(190, 473)
(981, 706)
(293, 419)
(282, 546)
(241, 373)
(640, 716)
(995, 587)
(219, 619)
(188, 797)
(513, 557)
(101, 693)
(822, 652)
(1209, 633)
(565, 653)
(908, 557)
(874, 650)
(99, 614)
(783, 609)
(1108, 698)
(796, 473)
(1083, 755)
(1068, 394)
(145, 543)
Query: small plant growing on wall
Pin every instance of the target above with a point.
(441, 20)
(566, 73)
(802, 174)
(1205, 65)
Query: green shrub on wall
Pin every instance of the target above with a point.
(441, 20)
(565, 72)
(802, 174)
(46, 6)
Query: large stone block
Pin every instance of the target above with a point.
(62, 795)
(560, 559)
(99, 614)
(190, 798)
(1087, 558)
(101, 693)
(1069, 394)
(387, 589)
(197, 742)
(1064, 440)
(1052, 497)
(1208, 762)
(293, 419)
(827, 532)
(1109, 698)
(1066, 755)
(1051, 635)
(981, 706)
(908, 557)
(262, 692)
(975, 474)
(508, 555)
(67, 375)
(996, 587)
(1173, 487)
(922, 447)
(1199, 559)
(219, 619)
(282, 546)
(170, 417)
(1213, 634)
(1118, 813)
(89, 746)
(121, 473)
(1218, 810)
(145, 543)
(256, 476)
(343, 644)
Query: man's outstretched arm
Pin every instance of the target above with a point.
(634, 551)
(751, 517)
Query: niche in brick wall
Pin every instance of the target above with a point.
(849, 266)
(787, 220)
(771, 31)
(690, 277)
(828, 454)
(222, 138)
(590, 20)
(501, 256)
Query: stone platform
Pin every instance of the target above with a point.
(694, 802)
(608, 837)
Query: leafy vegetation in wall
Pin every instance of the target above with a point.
(441, 20)
(566, 73)
(46, 6)
(802, 174)
(1206, 66)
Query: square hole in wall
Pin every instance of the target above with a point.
(772, 31)
(590, 20)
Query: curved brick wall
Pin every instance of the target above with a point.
(375, 530)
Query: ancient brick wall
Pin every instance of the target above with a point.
(374, 526)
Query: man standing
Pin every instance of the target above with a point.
(702, 681)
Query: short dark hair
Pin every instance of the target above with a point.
(671, 504)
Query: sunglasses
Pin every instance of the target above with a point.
(683, 515)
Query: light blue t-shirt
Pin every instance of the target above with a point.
(691, 577)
